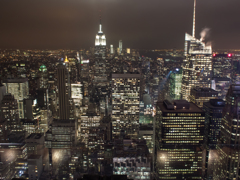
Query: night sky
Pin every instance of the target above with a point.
(142, 24)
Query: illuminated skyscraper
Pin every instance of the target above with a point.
(228, 148)
(78, 57)
(175, 81)
(120, 46)
(213, 110)
(43, 76)
(222, 65)
(63, 86)
(125, 104)
(100, 41)
(179, 139)
(111, 49)
(9, 108)
(197, 65)
(128, 50)
(18, 87)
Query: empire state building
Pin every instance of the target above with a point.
(100, 41)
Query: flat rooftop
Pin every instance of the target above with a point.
(35, 136)
(192, 108)
(126, 75)
(203, 90)
(15, 80)
(33, 156)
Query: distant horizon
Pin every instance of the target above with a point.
(64, 49)
(141, 24)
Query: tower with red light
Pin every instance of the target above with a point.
(222, 66)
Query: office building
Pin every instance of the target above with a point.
(2, 91)
(3, 130)
(111, 49)
(100, 41)
(45, 120)
(200, 95)
(63, 92)
(18, 87)
(42, 98)
(213, 112)
(120, 47)
(10, 153)
(197, 65)
(228, 147)
(179, 140)
(61, 134)
(29, 125)
(126, 89)
(85, 67)
(35, 166)
(221, 85)
(131, 158)
(9, 108)
(175, 83)
(28, 108)
(146, 110)
(90, 122)
(43, 77)
(21, 168)
(146, 132)
(35, 144)
(222, 65)
(77, 94)
(128, 50)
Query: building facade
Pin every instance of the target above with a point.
(125, 104)
(228, 148)
(175, 81)
(63, 91)
(18, 87)
(200, 95)
(179, 132)
(9, 108)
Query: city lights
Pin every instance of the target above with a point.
(145, 104)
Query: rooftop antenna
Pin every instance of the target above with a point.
(194, 16)
(100, 25)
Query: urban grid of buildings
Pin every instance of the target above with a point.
(120, 113)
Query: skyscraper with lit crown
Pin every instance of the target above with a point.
(197, 65)
(100, 41)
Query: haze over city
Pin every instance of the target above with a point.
(119, 90)
(141, 24)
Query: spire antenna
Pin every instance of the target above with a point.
(100, 19)
(194, 16)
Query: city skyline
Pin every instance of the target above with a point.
(127, 104)
(140, 24)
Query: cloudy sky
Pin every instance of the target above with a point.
(143, 24)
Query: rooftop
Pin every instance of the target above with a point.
(35, 136)
(203, 89)
(215, 103)
(192, 107)
(33, 156)
(126, 75)
(15, 80)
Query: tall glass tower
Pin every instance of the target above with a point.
(197, 65)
